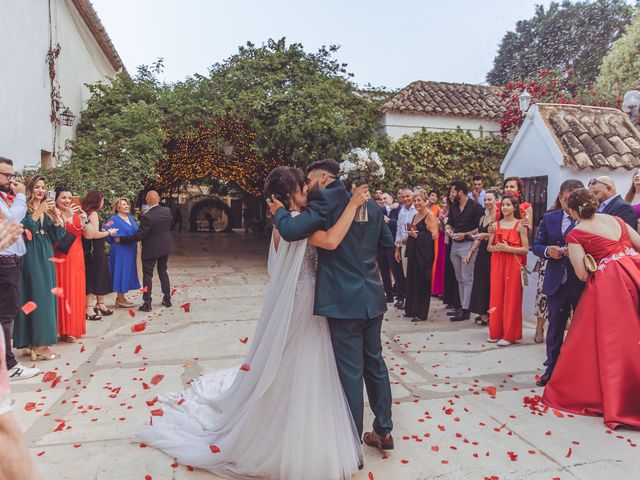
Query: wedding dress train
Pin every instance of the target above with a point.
(287, 416)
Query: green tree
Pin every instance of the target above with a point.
(433, 159)
(302, 106)
(620, 68)
(574, 36)
(120, 137)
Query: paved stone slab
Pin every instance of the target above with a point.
(447, 425)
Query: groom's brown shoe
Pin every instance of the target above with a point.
(374, 440)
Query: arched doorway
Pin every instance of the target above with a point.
(210, 215)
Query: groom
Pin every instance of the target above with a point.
(349, 294)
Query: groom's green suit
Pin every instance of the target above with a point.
(349, 293)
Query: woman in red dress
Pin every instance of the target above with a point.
(598, 371)
(70, 272)
(508, 244)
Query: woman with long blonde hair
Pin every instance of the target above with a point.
(36, 327)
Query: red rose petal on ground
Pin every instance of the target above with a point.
(58, 292)
(29, 406)
(186, 307)
(48, 377)
(181, 401)
(157, 379)
(174, 465)
(82, 349)
(59, 427)
(244, 340)
(148, 477)
(39, 453)
(77, 445)
(404, 461)
(435, 448)
(29, 307)
(569, 453)
(245, 367)
(56, 381)
(145, 386)
(548, 433)
(214, 449)
(152, 402)
(491, 390)
(558, 413)
(132, 313)
(137, 349)
(157, 412)
(139, 327)
(370, 475)
(57, 260)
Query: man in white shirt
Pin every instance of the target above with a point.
(405, 216)
(477, 194)
(13, 205)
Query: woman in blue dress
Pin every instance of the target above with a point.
(122, 257)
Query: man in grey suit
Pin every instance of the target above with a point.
(349, 293)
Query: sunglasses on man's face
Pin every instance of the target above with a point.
(593, 181)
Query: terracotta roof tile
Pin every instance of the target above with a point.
(441, 98)
(593, 136)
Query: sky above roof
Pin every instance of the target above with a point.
(386, 44)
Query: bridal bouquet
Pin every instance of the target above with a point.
(358, 167)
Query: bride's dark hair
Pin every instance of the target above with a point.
(282, 182)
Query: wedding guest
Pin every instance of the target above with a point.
(514, 186)
(508, 244)
(633, 195)
(177, 218)
(432, 204)
(122, 257)
(598, 371)
(477, 194)
(15, 461)
(386, 254)
(70, 276)
(405, 214)
(13, 207)
(451, 295)
(611, 202)
(157, 244)
(391, 219)
(38, 330)
(464, 217)
(437, 288)
(561, 287)
(422, 235)
(98, 277)
(481, 291)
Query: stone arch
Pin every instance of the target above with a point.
(206, 201)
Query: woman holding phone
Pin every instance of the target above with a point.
(37, 329)
(70, 271)
(423, 233)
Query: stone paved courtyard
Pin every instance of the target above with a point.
(448, 424)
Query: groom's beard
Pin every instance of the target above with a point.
(5, 188)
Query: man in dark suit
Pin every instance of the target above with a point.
(349, 294)
(561, 286)
(387, 255)
(157, 244)
(611, 202)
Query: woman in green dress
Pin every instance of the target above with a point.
(38, 329)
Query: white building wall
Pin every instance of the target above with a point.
(25, 126)
(398, 124)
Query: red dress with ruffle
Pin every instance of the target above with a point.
(598, 371)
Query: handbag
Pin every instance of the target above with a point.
(524, 273)
(64, 244)
(590, 263)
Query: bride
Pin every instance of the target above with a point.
(283, 414)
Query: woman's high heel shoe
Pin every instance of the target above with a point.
(126, 304)
(35, 356)
(98, 311)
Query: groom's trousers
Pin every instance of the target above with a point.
(358, 351)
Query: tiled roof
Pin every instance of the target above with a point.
(441, 98)
(593, 137)
(90, 17)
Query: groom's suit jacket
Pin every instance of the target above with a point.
(347, 285)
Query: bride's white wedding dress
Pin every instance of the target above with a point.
(287, 416)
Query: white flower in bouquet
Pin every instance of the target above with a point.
(361, 166)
